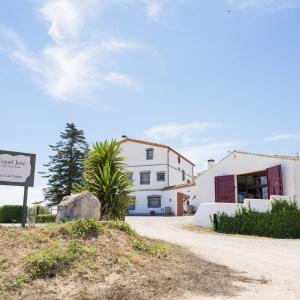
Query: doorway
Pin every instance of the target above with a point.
(252, 186)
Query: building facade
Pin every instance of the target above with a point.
(159, 174)
(243, 179)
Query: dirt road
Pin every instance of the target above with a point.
(276, 260)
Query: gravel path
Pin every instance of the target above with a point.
(276, 260)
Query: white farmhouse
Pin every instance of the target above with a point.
(243, 179)
(163, 178)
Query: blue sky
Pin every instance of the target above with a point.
(205, 77)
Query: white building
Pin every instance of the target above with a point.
(244, 178)
(163, 178)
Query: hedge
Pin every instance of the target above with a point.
(46, 218)
(282, 221)
(11, 214)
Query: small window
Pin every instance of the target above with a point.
(179, 159)
(161, 176)
(154, 202)
(131, 205)
(145, 177)
(183, 175)
(130, 176)
(149, 153)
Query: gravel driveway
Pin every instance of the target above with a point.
(275, 260)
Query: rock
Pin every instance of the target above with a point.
(78, 206)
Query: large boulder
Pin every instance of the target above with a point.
(78, 206)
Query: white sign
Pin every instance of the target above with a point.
(14, 168)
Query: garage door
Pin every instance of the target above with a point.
(225, 189)
(275, 186)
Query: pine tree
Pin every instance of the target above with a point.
(65, 168)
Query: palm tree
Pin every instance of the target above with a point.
(106, 177)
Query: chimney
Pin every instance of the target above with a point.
(124, 136)
(210, 163)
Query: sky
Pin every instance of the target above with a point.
(203, 76)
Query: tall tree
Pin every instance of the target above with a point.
(65, 168)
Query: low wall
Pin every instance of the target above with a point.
(205, 210)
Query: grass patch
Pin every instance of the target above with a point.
(48, 263)
(154, 250)
(119, 225)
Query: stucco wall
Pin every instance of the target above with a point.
(177, 168)
(206, 210)
(135, 154)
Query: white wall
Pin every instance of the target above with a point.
(206, 210)
(135, 154)
(141, 205)
(239, 163)
(177, 168)
(154, 184)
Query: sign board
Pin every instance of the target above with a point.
(17, 168)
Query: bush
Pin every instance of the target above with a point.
(11, 214)
(47, 218)
(85, 228)
(283, 221)
(48, 263)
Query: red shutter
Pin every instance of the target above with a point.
(224, 189)
(275, 186)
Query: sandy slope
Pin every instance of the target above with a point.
(276, 260)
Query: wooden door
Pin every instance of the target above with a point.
(225, 189)
(275, 185)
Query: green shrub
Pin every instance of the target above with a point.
(47, 218)
(83, 228)
(11, 214)
(48, 263)
(283, 221)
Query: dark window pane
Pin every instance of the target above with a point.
(145, 178)
(149, 153)
(161, 176)
(154, 202)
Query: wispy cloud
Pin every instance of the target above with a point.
(192, 140)
(263, 4)
(74, 63)
(282, 137)
(175, 130)
(153, 9)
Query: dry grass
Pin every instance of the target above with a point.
(107, 266)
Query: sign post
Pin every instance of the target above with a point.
(17, 169)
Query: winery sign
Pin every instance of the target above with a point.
(17, 168)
